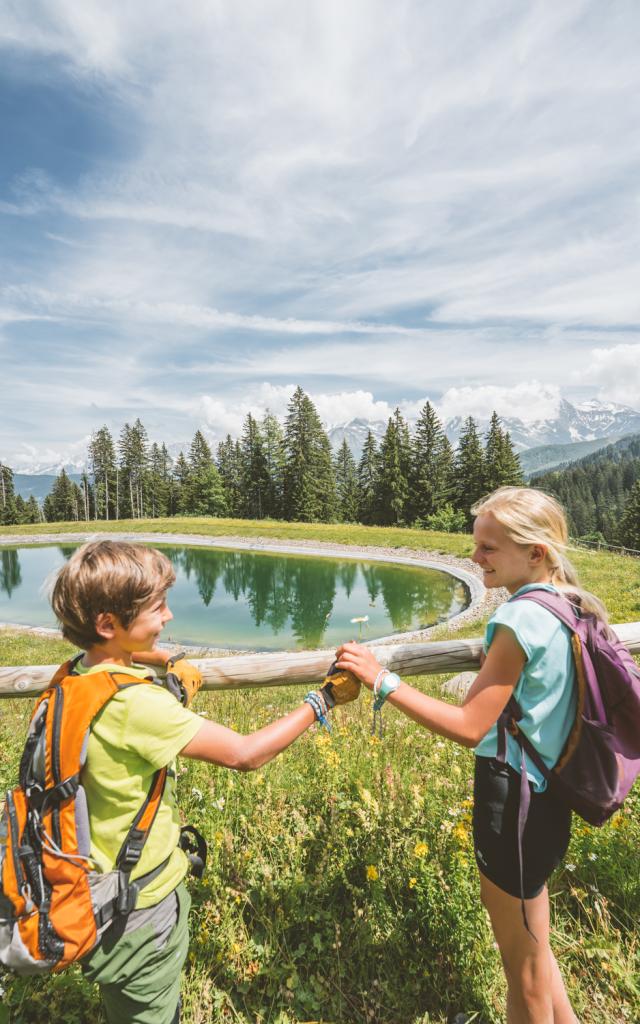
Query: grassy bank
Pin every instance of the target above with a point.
(341, 885)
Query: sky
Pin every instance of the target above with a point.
(203, 205)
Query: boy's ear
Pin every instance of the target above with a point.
(105, 625)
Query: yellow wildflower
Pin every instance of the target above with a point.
(412, 883)
(372, 873)
(420, 849)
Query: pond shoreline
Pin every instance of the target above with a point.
(481, 601)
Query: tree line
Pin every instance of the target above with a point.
(284, 472)
(601, 493)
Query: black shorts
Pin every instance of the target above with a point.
(495, 830)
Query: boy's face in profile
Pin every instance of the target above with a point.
(142, 633)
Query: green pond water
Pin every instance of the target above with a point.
(241, 600)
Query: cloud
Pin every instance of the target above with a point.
(615, 372)
(528, 401)
(362, 198)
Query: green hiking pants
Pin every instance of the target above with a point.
(139, 962)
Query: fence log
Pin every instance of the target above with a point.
(305, 667)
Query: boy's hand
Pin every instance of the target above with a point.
(339, 686)
(183, 679)
(360, 661)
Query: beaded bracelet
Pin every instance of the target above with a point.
(318, 704)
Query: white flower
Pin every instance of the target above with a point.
(571, 867)
(197, 793)
(593, 856)
(219, 804)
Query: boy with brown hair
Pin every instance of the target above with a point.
(111, 601)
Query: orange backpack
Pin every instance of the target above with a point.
(54, 905)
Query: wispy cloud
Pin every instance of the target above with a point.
(364, 198)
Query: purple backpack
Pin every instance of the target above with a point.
(601, 756)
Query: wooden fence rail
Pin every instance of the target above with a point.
(305, 667)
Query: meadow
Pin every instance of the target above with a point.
(341, 885)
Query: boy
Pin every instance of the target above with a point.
(111, 601)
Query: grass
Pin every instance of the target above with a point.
(341, 885)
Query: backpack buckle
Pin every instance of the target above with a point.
(129, 855)
(127, 895)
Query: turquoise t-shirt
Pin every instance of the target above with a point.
(545, 691)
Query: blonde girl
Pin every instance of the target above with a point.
(520, 538)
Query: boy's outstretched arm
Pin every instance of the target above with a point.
(219, 745)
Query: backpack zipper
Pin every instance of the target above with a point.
(21, 878)
(55, 760)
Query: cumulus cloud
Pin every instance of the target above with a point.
(528, 401)
(616, 373)
(227, 416)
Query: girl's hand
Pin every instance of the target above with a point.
(359, 660)
(158, 658)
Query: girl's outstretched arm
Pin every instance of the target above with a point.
(219, 745)
(465, 724)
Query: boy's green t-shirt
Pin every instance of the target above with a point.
(141, 729)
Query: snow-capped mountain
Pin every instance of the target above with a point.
(584, 422)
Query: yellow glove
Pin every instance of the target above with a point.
(183, 679)
(340, 686)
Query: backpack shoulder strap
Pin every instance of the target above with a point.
(557, 604)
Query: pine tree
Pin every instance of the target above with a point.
(160, 481)
(368, 480)
(253, 471)
(346, 474)
(392, 492)
(64, 503)
(502, 465)
(102, 465)
(630, 522)
(229, 463)
(133, 449)
(33, 511)
(431, 466)
(8, 513)
(309, 481)
(469, 469)
(273, 438)
(202, 493)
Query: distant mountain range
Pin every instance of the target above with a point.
(591, 422)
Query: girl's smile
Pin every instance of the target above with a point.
(503, 562)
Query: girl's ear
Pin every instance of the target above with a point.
(105, 625)
(537, 554)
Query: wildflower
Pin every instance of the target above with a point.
(593, 856)
(420, 849)
(372, 873)
(219, 804)
(571, 867)
(412, 883)
(197, 793)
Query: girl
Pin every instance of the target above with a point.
(520, 537)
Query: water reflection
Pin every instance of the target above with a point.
(10, 575)
(245, 600)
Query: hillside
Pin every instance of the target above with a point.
(546, 457)
(595, 489)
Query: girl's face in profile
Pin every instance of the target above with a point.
(503, 562)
